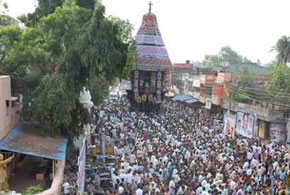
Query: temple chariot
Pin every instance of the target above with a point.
(150, 79)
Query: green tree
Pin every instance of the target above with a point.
(5, 20)
(211, 61)
(89, 4)
(283, 49)
(225, 55)
(241, 90)
(10, 35)
(279, 86)
(44, 8)
(66, 48)
(125, 33)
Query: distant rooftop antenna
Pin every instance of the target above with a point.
(150, 6)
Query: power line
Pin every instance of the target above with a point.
(257, 98)
(262, 91)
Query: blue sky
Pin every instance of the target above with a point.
(194, 28)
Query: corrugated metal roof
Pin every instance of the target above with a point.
(191, 101)
(182, 97)
(183, 66)
(24, 142)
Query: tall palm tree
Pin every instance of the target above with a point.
(283, 49)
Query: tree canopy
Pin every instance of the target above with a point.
(226, 55)
(283, 49)
(241, 90)
(279, 86)
(67, 44)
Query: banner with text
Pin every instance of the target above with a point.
(229, 124)
(245, 124)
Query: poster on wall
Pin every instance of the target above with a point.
(245, 124)
(262, 129)
(229, 124)
(208, 103)
(276, 132)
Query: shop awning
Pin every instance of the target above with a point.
(169, 94)
(190, 101)
(182, 98)
(22, 140)
(12, 98)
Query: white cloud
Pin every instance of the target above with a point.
(18, 7)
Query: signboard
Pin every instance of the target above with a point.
(245, 124)
(208, 103)
(81, 168)
(196, 83)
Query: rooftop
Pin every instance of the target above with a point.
(183, 66)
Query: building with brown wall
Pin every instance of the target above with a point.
(180, 74)
(10, 107)
(213, 90)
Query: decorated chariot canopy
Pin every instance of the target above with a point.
(151, 78)
(151, 54)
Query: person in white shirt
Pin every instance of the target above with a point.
(132, 158)
(181, 190)
(198, 191)
(138, 178)
(66, 188)
(249, 155)
(254, 162)
(121, 189)
(115, 178)
(122, 175)
(233, 185)
(129, 177)
(139, 191)
(245, 166)
(171, 187)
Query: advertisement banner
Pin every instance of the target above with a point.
(229, 124)
(245, 124)
(208, 103)
(276, 132)
(82, 165)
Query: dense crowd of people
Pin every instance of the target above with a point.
(180, 151)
